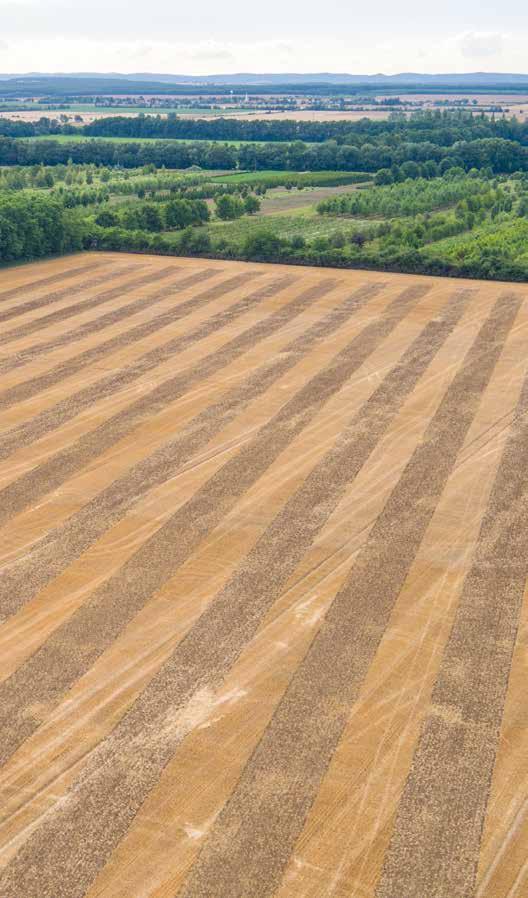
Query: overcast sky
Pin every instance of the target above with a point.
(295, 36)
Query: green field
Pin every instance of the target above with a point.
(81, 138)
(248, 177)
(279, 178)
(303, 222)
(14, 106)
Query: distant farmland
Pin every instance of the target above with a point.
(264, 559)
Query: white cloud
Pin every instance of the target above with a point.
(93, 35)
(283, 50)
(481, 44)
(206, 56)
(211, 51)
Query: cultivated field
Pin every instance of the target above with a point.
(264, 546)
(516, 107)
(33, 115)
(301, 115)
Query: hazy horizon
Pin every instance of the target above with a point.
(254, 73)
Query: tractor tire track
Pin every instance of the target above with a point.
(280, 782)
(32, 304)
(436, 842)
(122, 780)
(51, 419)
(58, 549)
(22, 357)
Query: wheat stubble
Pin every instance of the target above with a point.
(82, 639)
(32, 304)
(281, 780)
(436, 840)
(87, 304)
(45, 421)
(58, 548)
(23, 492)
(217, 639)
(152, 569)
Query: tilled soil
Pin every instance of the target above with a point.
(263, 628)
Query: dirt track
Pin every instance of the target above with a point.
(264, 554)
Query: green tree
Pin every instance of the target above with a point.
(251, 204)
(383, 176)
(229, 207)
(107, 219)
(262, 245)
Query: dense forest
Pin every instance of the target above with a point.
(426, 139)
(433, 140)
(498, 154)
(440, 127)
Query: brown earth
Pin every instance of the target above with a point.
(264, 548)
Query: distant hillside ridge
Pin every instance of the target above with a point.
(477, 79)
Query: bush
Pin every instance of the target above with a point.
(262, 245)
(107, 219)
(384, 176)
(194, 240)
(251, 204)
(180, 213)
(229, 207)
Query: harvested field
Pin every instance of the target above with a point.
(278, 199)
(301, 115)
(316, 115)
(264, 548)
(84, 118)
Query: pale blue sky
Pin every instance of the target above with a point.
(302, 35)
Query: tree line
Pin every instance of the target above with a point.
(34, 224)
(498, 154)
(439, 127)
